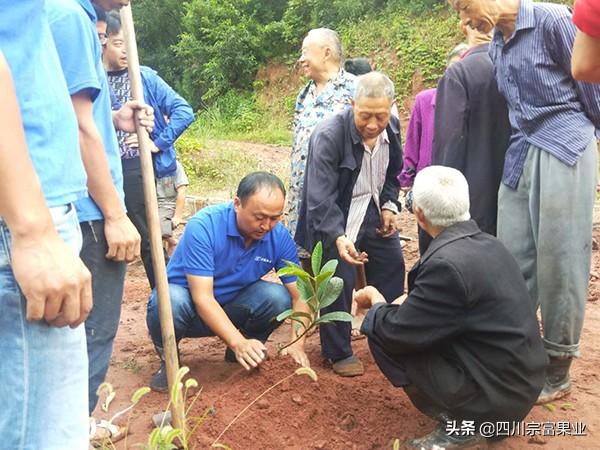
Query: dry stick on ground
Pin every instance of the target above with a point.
(158, 260)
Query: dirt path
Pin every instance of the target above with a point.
(333, 413)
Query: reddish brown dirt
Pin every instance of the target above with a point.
(333, 413)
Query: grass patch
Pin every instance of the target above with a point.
(242, 117)
(131, 364)
(212, 170)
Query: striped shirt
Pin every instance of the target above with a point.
(547, 108)
(369, 184)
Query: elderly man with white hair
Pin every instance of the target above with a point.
(464, 344)
(349, 201)
(328, 92)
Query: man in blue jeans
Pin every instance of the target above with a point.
(215, 276)
(44, 286)
(109, 238)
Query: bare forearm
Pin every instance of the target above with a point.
(213, 315)
(100, 183)
(180, 201)
(22, 203)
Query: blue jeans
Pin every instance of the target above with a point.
(252, 311)
(101, 326)
(43, 369)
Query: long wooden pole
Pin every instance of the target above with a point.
(158, 259)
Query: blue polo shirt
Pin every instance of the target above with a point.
(73, 27)
(46, 110)
(212, 246)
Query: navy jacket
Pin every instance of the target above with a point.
(335, 153)
(472, 131)
(467, 333)
(166, 102)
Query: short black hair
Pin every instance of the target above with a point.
(254, 181)
(100, 13)
(113, 23)
(357, 66)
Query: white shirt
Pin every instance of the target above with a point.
(369, 184)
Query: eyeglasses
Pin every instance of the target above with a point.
(103, 38)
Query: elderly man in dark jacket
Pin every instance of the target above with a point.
(465, 343)
(472, 129)
(349, 201)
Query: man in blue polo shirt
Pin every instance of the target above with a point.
(43, 284)
(109, 238)
(215, 276)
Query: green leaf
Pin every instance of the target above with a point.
(550, 407)
(330, 292)
(109, 398)
(337, 316)
(396, 445)
(284, 315)
(292, 271)
(315, 260)
(172, 434)
(330, 266)
(137, 395)
(305, 287)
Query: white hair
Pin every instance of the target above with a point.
(328, 38)
(374, 85)
(442, 193)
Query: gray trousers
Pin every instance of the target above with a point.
(546, 223)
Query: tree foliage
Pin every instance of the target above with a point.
(207, 48)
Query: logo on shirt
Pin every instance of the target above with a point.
(264, 260)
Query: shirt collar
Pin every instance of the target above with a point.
(89, 9)
(232, 229)
(525, 16)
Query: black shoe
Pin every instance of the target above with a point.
(159, 379)
(230, 356)
(438, 438)
(558, 382)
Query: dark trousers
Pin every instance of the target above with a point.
(133, 186)
(384, 271)
(101, 325)
(395, 371)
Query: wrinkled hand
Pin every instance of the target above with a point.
(388, 224)
(348, 252)
(54, 281)
(296, 351)
(250, 353)
(367, 297)
(123, 239)
(125, 117)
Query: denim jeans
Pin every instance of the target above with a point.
(101, 326)
(43, 369)
(252, 311)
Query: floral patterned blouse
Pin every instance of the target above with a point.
(311, 109)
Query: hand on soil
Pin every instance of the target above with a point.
(123, 239)
(297, 353)
(53, 279)
(250, 353)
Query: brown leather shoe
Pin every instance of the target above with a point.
(349, 367)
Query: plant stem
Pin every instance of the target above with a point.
(306, 330)
(249, 405)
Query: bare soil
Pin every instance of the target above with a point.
(332, 413)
